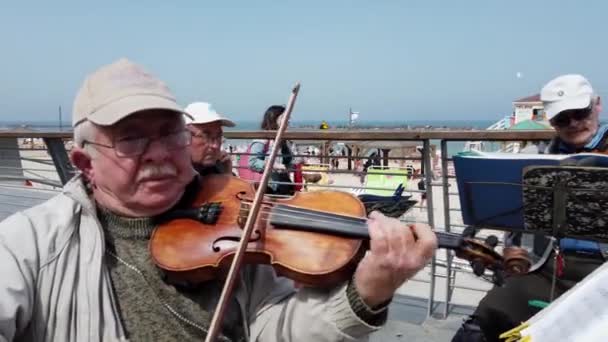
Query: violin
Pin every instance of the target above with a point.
(314, 238)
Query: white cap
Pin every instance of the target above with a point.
(564, 93)
(203, 112)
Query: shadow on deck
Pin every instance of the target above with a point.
(408, 322)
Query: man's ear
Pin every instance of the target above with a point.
(81, 159)
(598, 104)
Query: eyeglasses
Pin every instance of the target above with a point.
(208, 138)
(131, 147)
(563, 119)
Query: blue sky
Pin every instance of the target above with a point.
(390, 60)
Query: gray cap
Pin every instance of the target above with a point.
(117, 90)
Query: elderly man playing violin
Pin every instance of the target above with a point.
(78, 267)
(205, 124)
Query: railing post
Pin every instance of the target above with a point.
(10, 159)
(385, 159)
(62, 163)
(349, 160)
(428, 180)
(446, 218)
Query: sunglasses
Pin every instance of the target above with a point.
(563, 119)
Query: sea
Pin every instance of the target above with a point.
(244, 125)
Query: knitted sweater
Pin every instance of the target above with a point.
(151, 309)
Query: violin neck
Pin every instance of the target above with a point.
(283, 216)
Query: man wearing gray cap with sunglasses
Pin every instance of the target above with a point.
(78, 267)
(573, 110)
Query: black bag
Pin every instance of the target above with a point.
(281, 189)
(470, 331)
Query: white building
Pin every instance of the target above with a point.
(528, 108)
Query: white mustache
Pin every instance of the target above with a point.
(156, 171)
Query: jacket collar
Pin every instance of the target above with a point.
(76, 189)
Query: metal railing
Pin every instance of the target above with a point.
(47, 168)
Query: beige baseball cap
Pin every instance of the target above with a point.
(117, 90)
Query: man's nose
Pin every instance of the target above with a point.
(157, 151)
(215, 143)
(575, 123)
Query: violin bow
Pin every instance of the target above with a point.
(249, 224)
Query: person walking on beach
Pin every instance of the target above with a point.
(422, 187)
(369, 162)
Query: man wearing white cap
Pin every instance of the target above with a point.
(78, 267)
(205, 125)
(573, 110)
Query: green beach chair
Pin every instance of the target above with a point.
(377, 178)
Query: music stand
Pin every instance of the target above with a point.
(566, 201)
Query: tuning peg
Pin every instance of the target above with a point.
(498, 278)
(469, 232)
(492, 241)
(478, 267)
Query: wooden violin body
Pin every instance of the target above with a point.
(192, 251)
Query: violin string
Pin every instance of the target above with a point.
(265, 214)
(284, 210)
(266, 211)
(295, 214)
(366, 202)
(374, 202)
(279, 212)
(312, 212)
(302, 216)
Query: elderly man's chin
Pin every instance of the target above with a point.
(210, 161)
(159, 195)
(578, 138)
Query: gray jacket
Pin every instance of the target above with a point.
(54, 285)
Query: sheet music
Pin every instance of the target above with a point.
(580, 314)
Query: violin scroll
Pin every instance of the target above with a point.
(482, 256)
(517, 261)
